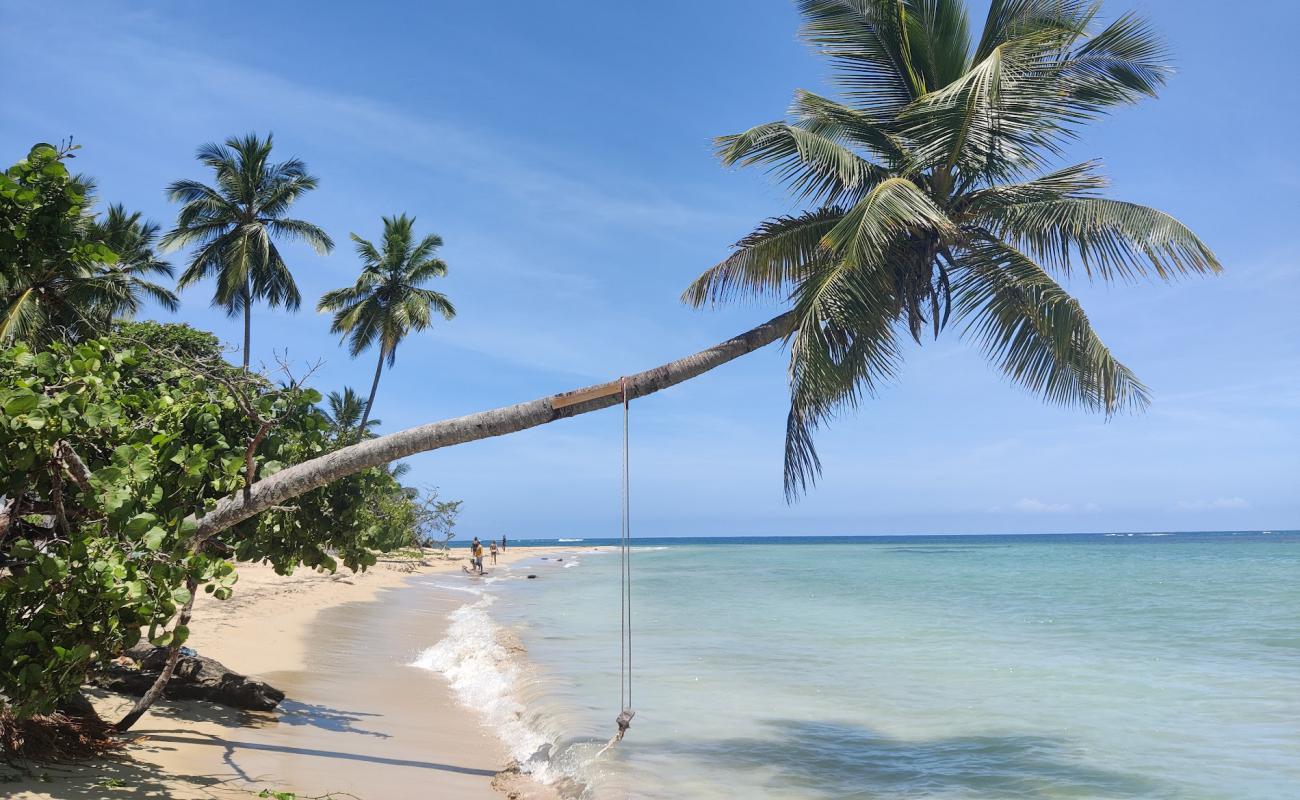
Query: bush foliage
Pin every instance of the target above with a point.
(109, 451)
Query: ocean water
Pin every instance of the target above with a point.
(989, 667)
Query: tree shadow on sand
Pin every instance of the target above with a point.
(331, 719)
(101, 779)
(841, 760)
(290, 712)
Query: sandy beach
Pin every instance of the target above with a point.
(356, 722)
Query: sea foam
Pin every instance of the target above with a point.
(484, 664)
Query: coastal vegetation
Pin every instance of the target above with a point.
(136, 465)
(115, 434)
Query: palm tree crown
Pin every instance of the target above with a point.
(344, 414)
(932, 199)
(388, 300)
(68, 298)
(133, 239)
(234, 223)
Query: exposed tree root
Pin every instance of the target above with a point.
(56, 737)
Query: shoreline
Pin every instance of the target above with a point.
(347, 727)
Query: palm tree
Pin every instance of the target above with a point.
(76, 298)
(235, 222)
(133, 239)
(932, 199)
(388, 302)
(344, 416)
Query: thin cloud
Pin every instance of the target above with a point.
(187, 86)
(1032, 505)
(1217, 504)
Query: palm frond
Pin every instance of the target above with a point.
(845, 345)
(1037, 334)
(1077, 180)
(865, 42)
(938, 36)
(812, 165)
(769, 261)
(895, 208)
(840, 123)
(1111, 239)
(302, 231)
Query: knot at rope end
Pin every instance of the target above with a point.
(623, 722)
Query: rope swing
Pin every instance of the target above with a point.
(626, 713)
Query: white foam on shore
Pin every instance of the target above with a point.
(484, 664)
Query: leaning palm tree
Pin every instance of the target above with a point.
(234, 223)
(388, 302)
(932, 200)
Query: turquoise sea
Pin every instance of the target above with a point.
(990, 667)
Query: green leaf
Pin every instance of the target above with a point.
(154, 538)
(22, 403)
(140, 523)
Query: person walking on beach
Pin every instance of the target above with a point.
(492, 548)
(476, 555)
(503, 542)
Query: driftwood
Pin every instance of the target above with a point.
(195, 677)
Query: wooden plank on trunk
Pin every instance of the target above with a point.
(583, 395)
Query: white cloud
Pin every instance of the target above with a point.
(1217, 504)
(1032, 505)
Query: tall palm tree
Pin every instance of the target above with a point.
(344, 414)
(67, 297)
(932, 199)
(388, 302)
(234, 224)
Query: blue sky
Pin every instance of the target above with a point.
(563, 153)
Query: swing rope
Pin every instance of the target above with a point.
(625, 595)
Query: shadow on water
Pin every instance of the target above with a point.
(841, 760)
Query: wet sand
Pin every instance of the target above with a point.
(357, 720)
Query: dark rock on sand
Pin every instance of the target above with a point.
(196, 677)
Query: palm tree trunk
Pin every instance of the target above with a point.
(365, 416)
(308, 475)
(248, 321)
